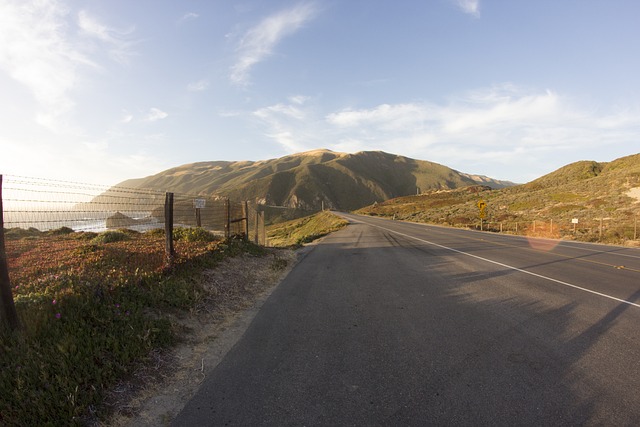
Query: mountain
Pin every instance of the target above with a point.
(604, 197)
(309, 180)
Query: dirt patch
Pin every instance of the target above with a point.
(634, 193)
(235, 291)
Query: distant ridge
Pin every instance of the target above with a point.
(315, 178)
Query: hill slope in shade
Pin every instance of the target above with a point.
(309, 180)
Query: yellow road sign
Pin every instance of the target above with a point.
(482, 205)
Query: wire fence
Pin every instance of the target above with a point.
(47, 205)
(595, 229)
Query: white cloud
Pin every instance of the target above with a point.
(189, 16)
(117, 41)
(504, 127)
(155, 114)
(39, 51)
(258, 42)
(290, 125)
(198, 86)
(472, 7)
(35, 51)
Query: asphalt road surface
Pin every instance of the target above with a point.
(392, 323)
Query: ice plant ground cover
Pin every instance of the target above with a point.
(91, 306)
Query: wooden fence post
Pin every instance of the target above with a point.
(263, 228)
(245, 215)
(600, 239)
(227, 218)
(257, 228)
(168, 226)
(8, 313)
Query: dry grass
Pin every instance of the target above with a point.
(304, 230)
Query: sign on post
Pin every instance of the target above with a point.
(482, 206)
(199, 204)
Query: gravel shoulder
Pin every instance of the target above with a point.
(235, 291)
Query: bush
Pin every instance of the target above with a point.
(110, 237)
(61, 231)
(21, 233)
(197, 234)
(156, 232)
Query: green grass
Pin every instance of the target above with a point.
(304, 230)
(90, 310)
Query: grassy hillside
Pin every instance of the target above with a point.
(304, 230)
(591, 192)
(309, 180)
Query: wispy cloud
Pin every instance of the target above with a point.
(472, 7)
(118, 42)
(156, 114)
(198, 86)
(189, 16)
(258, 42)
(39, 50)
(35, 51)
(287, 123)
(126, 118)
(503, 127)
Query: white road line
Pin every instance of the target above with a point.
(509, 266)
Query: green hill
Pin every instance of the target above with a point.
(311, 179)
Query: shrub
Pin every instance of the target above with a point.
(21, 233)
(61, 231)
(156, 232)
(197, 234)
(110, 237)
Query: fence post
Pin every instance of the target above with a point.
(168, 225)
(257, 229)
(227, 218)
(245, 215)
(8, 313)
(600, 239)
(263, 228)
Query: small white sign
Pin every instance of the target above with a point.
(574, 221)
(199, 203)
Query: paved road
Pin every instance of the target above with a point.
(390, 323)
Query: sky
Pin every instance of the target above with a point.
(104, 91)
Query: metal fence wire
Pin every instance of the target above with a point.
(42, 204)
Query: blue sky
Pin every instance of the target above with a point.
(102, 91)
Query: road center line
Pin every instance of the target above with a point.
(508, 266)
